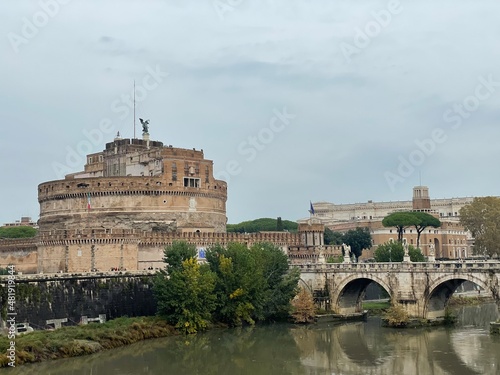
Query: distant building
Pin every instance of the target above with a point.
(331, 213)
(451, 240)
(24, 222)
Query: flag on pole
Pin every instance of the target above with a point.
(88, 201)
(311, 210)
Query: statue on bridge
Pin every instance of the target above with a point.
(406, 247)
(432, 253)
(347, 253)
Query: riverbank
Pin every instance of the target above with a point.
(76, 341)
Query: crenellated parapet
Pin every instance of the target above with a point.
(89, 241)
(285, 238)
(7, 243)
(92, 250)
(89, 234)
(148, 238)
(209, 238)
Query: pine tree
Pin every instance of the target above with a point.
(279, 225)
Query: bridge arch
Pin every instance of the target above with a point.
(305, 286)
(347, 297)
(442, 289)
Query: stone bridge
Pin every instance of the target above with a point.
(423, 289)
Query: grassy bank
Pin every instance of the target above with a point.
(80, 340)
(376, 308)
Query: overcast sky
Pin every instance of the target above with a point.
(294, 100)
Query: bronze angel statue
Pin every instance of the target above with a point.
(145, 125)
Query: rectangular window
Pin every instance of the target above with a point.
(191, 182)
(174, 176)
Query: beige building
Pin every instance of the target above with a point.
(450, 240)
(24, 222)
(331, 213)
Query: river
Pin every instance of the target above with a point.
(354, 348)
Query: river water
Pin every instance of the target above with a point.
(354, 348)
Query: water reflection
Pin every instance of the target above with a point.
(357, 348)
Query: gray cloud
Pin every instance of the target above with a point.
(354, 118)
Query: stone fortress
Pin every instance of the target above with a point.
(130, 201)
(137, 184)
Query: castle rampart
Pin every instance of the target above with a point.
(85, 250)
(22, 252)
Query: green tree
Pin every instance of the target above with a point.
(252, 284)
(178, 252)
(17, 232)
(280, 282)
(333, 238)
(415, 254)
(394, 252)
(358, 239)
(185, 298)
(482, 219)
(261, 225)
(389, 252)
(400, 220)
(238, 285)
(279, 224)
(424, 220)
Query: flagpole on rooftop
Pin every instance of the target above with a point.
(134, 108)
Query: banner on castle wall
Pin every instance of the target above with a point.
(201, 253)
